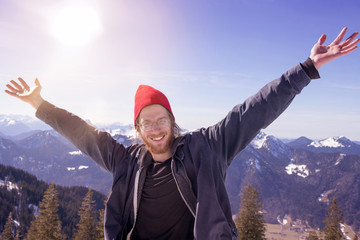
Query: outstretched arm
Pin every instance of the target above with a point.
(23, 92)
(322, 54)
(231, 135)
(99, 145)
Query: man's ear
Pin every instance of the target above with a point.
(137, 134)
(137, 129)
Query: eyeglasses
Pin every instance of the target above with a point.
(148, 126)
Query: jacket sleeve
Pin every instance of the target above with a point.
(98, 145)
(231, 135)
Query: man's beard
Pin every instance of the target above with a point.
(159, 149)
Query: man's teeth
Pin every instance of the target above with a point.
(158, 138)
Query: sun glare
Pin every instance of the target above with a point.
(76, 25)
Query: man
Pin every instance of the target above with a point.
(172, 187)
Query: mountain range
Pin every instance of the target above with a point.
(295, 178)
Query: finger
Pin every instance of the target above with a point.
(341, 35)
(37, 82)
(349, 50)
(24, 83)
(11, 93)
(322, 39)
(351, 45)
(349, 40)
(11, 88)
(16, 85)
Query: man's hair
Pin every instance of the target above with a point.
(176, 128)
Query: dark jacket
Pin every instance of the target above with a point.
(199, 159)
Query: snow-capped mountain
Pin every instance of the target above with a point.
(118, 129)
(123, 134)
(17, 124)
(271, 144)
(334, 142)
(12, 126)
(329, 145)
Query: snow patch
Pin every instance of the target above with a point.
(83, 167)
(283, 221)
(341, 157)
(254, 162)
(320, 199)
(299, 170)
(257, 143)
(342, 227)
(79, 168)
(9, 185)
(36, 208)
(257, 165)
(329, 142)
(17, 224)
(10, 122)
(75, 153)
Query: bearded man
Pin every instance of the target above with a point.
(172, 186)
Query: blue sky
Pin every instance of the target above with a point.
(206, 56)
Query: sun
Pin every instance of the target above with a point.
(76, 25)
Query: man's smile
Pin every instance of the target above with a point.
(157, 139)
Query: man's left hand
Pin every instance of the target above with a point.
(322, 54)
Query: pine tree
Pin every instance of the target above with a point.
(47, 224)
(313, 236)
(249, 221)
(100, 225)
(9, 229)
(334, 218)
(86, 228)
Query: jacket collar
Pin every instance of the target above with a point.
(144, 157)
(176, 148)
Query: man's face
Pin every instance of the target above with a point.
(156, 129)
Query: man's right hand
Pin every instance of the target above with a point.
(23, 92)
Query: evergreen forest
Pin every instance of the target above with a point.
(21, 194)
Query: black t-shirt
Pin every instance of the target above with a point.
(162, 212)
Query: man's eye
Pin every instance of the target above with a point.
(162, 121)
(147, 124)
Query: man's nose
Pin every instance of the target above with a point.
(155, 127)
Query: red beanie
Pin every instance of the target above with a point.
(145, 96)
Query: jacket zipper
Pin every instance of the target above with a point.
(177, 185)
(135, 202)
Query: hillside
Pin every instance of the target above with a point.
(21, 192)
